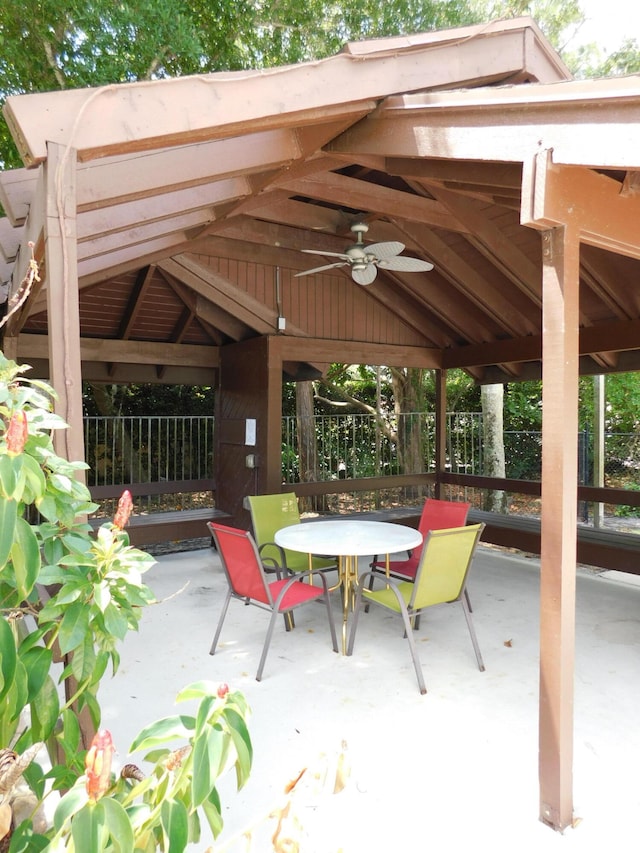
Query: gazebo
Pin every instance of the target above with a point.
(168, 219)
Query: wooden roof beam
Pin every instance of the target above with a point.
(594, 123)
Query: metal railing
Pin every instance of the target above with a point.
(154, 449)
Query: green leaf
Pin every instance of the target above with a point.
(208, 752)
(116, 622)
(84, 659)
(37, 662)
(197, 690)
(69, 737)
(69, 805)
(8, 517)
(48, 508)
(8, 657)
(163, 731)
(88, 828)
(25, 555)
(25, 840)
(119, 826)
(242, 742)
(175, 823)
(9, 468)
(35, 478)
(213, 812)
(74, 627)
(204, 710)
(45, 710)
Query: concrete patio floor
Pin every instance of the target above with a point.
(454, 768)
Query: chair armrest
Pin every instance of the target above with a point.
(278, 566)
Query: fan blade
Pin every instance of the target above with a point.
(384, 250)
(364, 276)
(405, 264)
(321, 269)
(326, 254)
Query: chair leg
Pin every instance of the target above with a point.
(267, 642)
(412, 648)
(466, 595)
(216, 636)
(354, 621)
(472, 632)
(332, 627)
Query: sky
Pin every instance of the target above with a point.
(609, 22)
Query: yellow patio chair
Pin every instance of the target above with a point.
(268, 514)
(440, 579)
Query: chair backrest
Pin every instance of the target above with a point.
(268, 514)
(241, 562)
(438, 515)
(444, 565)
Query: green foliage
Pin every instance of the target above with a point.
(71, 596)
(161, 811)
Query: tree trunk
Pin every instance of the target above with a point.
(408, 392)
(492, 397)
(307, 442)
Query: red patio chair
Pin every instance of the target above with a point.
(248, 583)
(436, 515)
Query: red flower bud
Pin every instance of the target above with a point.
(17, 432)
(223, 689)
(125, 505)
(98, 765)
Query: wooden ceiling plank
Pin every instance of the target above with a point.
(126, 215)
(154, 173)
(97, 246)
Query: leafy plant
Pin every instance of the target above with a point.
(67, 598)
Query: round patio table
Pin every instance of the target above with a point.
(347, 540)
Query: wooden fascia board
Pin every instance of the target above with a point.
(593, 123)
(320, 350)
(10, 239)
(16, 191)
(555, 195)
(131, 352)
(152, 114)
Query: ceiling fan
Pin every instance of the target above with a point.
(365, 260)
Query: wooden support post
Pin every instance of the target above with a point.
(61, 269)
(441, 428)
(64, 333)
(560, 253)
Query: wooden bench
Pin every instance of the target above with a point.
(600, 547)
(152, 528)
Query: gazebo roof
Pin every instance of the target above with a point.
(196, 195)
